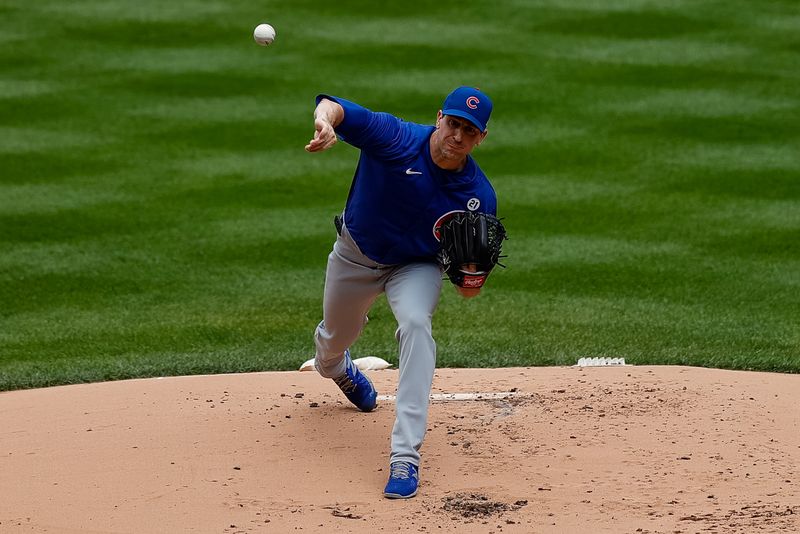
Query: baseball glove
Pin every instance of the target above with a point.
(470, 247)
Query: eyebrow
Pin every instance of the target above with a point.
(462, 122)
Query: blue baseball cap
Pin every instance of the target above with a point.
(469, 103)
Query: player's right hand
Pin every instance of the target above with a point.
(324, 136)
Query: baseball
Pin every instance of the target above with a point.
(264, 34)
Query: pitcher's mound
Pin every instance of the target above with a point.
(545, 450)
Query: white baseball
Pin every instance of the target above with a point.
(264, 34)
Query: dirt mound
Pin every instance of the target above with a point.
(546, 450)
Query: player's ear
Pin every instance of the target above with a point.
(483, 136)
(439, 116)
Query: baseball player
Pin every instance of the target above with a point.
(409, 179)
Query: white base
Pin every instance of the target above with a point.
(599, 362)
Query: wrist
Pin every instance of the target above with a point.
(329, 112)
(468, 292)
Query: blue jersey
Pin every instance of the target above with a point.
(399, 196)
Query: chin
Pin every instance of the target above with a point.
(452, 154)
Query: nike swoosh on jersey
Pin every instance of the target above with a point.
(412, 171)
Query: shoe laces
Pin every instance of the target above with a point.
(345, 382)
(400, 470)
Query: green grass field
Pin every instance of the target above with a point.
(158, 214)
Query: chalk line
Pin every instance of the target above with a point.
(447, 397)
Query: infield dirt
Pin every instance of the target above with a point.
(589, 450)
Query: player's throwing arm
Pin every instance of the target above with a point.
(327, 116)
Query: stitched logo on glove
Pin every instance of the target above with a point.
(473, 204)
(474, 281)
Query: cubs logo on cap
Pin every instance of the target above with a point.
(469, 103)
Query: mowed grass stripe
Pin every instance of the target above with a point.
(168, 330)
(158, 214)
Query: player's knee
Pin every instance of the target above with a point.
(414, 322)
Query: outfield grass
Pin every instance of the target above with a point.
(158, 214)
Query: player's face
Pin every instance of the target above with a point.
(456, 137)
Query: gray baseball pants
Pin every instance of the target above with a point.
(352, 283)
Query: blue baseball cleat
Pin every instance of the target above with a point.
(403, 481)
(357, 387)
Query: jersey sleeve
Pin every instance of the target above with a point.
(493, 204)
(490, 205)
(380, 134)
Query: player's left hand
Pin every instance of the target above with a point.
(468, 292)
(470, 248)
